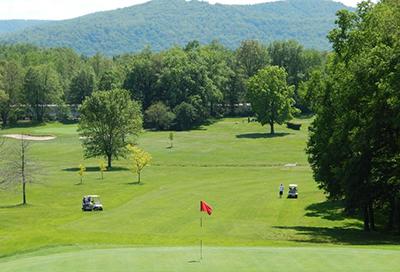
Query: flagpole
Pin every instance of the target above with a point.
(201, 237)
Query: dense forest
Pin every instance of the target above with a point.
(181, 87)
(9, 26)
(165, 23)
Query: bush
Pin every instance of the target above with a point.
(159, 116)
(186, 116)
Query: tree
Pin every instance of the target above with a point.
(142, 78)
(103, 168)
(159, 116)
(110, 80)
(4, 102)
(12, 82)
(288, 54)
(41, 89)
(171, 139)
(19, 169)
(139, 159)
(309, 92)
(252, 56)
(186, 116)
(108, 120)
(81, 172)
(270, 96)
(82, 85)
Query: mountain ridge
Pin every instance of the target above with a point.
(164, 23)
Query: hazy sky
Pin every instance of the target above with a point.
(64, 9)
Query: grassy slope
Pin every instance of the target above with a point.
(231, 164)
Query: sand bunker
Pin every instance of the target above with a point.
(29, 137)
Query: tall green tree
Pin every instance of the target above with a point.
(41, 89)
(288, 54)
(252, 56)
(270, 96)
(108, 121)
(142, 79)
(82, 85)
(12, 82)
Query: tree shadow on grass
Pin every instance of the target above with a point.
(96, 169)
(135, 183)
(349, 234)
(261, 135)
(329, 210)
(14, 206)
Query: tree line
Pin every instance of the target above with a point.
(354, 146)
(178, 88)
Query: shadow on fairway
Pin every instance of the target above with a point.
(96, 169)
(135, 183)
(330, 210)
(349, 235)
(14, 206)
(261, 135)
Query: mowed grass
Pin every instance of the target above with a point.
(235, 166)
(186, 259)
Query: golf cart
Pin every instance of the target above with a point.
(91, 203)
(292, 191)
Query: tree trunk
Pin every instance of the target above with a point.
(371, 216)
(392, 215)
(397, 215)
(366, 218)
(232, 108)
(4, 118)
(109, 159)
(24, 193)
(272, 128)
(138, 177)
(23, 172)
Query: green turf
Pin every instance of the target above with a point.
(214, 259)
(233, 165)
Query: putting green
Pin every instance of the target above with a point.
(215, 259)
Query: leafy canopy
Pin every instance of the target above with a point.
(108, 120)
(270, 96)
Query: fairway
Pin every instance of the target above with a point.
(267, 259)
(233, 165)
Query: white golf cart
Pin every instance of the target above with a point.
(292, 191)
(91, 203)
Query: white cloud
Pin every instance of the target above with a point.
(64, 9)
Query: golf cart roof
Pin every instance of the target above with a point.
(93, 196)
(292, 185)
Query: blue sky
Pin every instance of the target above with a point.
(65, 9)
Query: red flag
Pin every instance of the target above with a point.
(204, 207)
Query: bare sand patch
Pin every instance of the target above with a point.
(30, 137)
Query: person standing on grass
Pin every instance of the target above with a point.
(281, 189)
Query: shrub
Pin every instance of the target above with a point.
(159, 116)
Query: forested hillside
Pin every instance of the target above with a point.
(164, 23)
(8, 26)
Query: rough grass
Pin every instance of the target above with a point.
(233, 165)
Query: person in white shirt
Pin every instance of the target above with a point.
(281, 189)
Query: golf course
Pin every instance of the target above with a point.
(234, 165)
